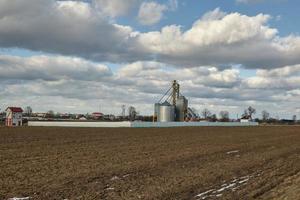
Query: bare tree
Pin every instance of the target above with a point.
(245, 114)
(265, 115)
(205, 113)
(224, 116)
(248, 113)
(251, 111)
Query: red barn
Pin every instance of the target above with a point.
(13, 116)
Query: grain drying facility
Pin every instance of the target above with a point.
(172, 107)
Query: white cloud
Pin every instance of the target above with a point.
(115, 8)
(76, 85)
(151, 13)
(224, 39)
(51, 68)
(218, 38)
(48, 25)
(202, 56)
(286, 71)
(285, 78)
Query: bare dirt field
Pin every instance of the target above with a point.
(170, 163)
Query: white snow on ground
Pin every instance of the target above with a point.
(114, 178)
(19, 198)
(232, 185)
(126, 175)
(204, 193)
(226, 187)
(232, 152)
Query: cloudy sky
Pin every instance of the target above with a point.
(89, 55)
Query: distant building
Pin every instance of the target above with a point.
(82, 118)
(245, 119)
(13, 116)
(97, 115)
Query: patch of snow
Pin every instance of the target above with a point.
(234, 180)
(204, 193)
(244, 181)
(110, 188)
(232, 185)
(226, 187)
(232, 152)
(126, 175)
(19, 198)
(114, 178)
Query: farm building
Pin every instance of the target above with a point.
(97, 115)
(245, 119)
(13, 116)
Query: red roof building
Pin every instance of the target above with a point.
(13, 116)
(97, 115)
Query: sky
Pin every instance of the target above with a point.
(88, 55)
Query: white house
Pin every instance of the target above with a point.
(13, 116)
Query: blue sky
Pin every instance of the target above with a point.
(71, 56)
(189, 11)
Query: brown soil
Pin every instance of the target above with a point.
(170, 163)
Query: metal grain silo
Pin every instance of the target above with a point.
(181, 108)
(156, 111)
(166, 112)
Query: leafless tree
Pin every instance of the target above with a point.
(224, 116)
(205, 113)
(248, 113)
(251, 111)
(265, 115)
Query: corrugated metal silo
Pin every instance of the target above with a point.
(166, 112)
(181, 108)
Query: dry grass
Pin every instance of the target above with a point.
(173, 163)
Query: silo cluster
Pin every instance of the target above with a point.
(171, 112)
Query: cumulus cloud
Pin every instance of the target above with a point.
(218, 38)
(115, 8)
(79, 86)
(64, 27)
(151, 13)
(81, 37)
(285, 78)
(222, 39)
(51, 68)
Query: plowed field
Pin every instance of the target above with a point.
(170, 163)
